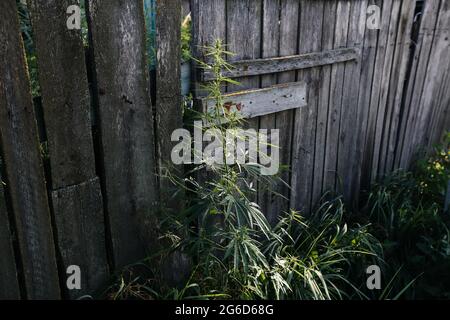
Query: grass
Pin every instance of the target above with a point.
(401, 228)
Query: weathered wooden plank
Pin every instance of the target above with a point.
(208, 24)
(440, 123)
(126, 126)
(259, 102)
(9, 285)
(81, 234)
(349, 108)
(303, 145)
(169, 117)
(368, 154)
(336, 91)
(245, 68)
(434, 77)
(65, 93)
(409, 85)
(329, 15)
(402, 61)
(66, 104)
(22, 159)
(289, 21)
(244, 21)
(365, 92)
(244, 37)
(416, 82)
(168, 96)
(396, 84)
(383, 110)
(270, 48)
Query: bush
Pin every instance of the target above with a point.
(406, 210)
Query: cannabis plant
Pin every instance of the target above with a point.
(238, 253)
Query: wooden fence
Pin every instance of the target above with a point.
(96, 209)
(373, 99)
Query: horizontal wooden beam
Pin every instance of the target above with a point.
(259, 102)
(257, 67)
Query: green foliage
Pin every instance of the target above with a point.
(406, 210)
(186, 39)
(150, 21)
(434, 173)
(27, 36)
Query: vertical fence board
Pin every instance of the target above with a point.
(371, 133)
(383, 111)
(209, 24)
(349, 108)
(244, 39)
(244, 20)
(368, 58)
(289, 22)
(24, 170)
(397, 79)
(126, 125)
(401, 63)
(329, 16)
(270, 48)
(168, 86)
(439, 57)
(77, 200)
(416, 84)
(65, 93)
(9, 285)
(169, 118)
(309, 39)
(80, 227)
(436, 126)
(204, 15)
(441, 124)
(336, 91)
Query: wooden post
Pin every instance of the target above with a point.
(24, 170)
(126, 126)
